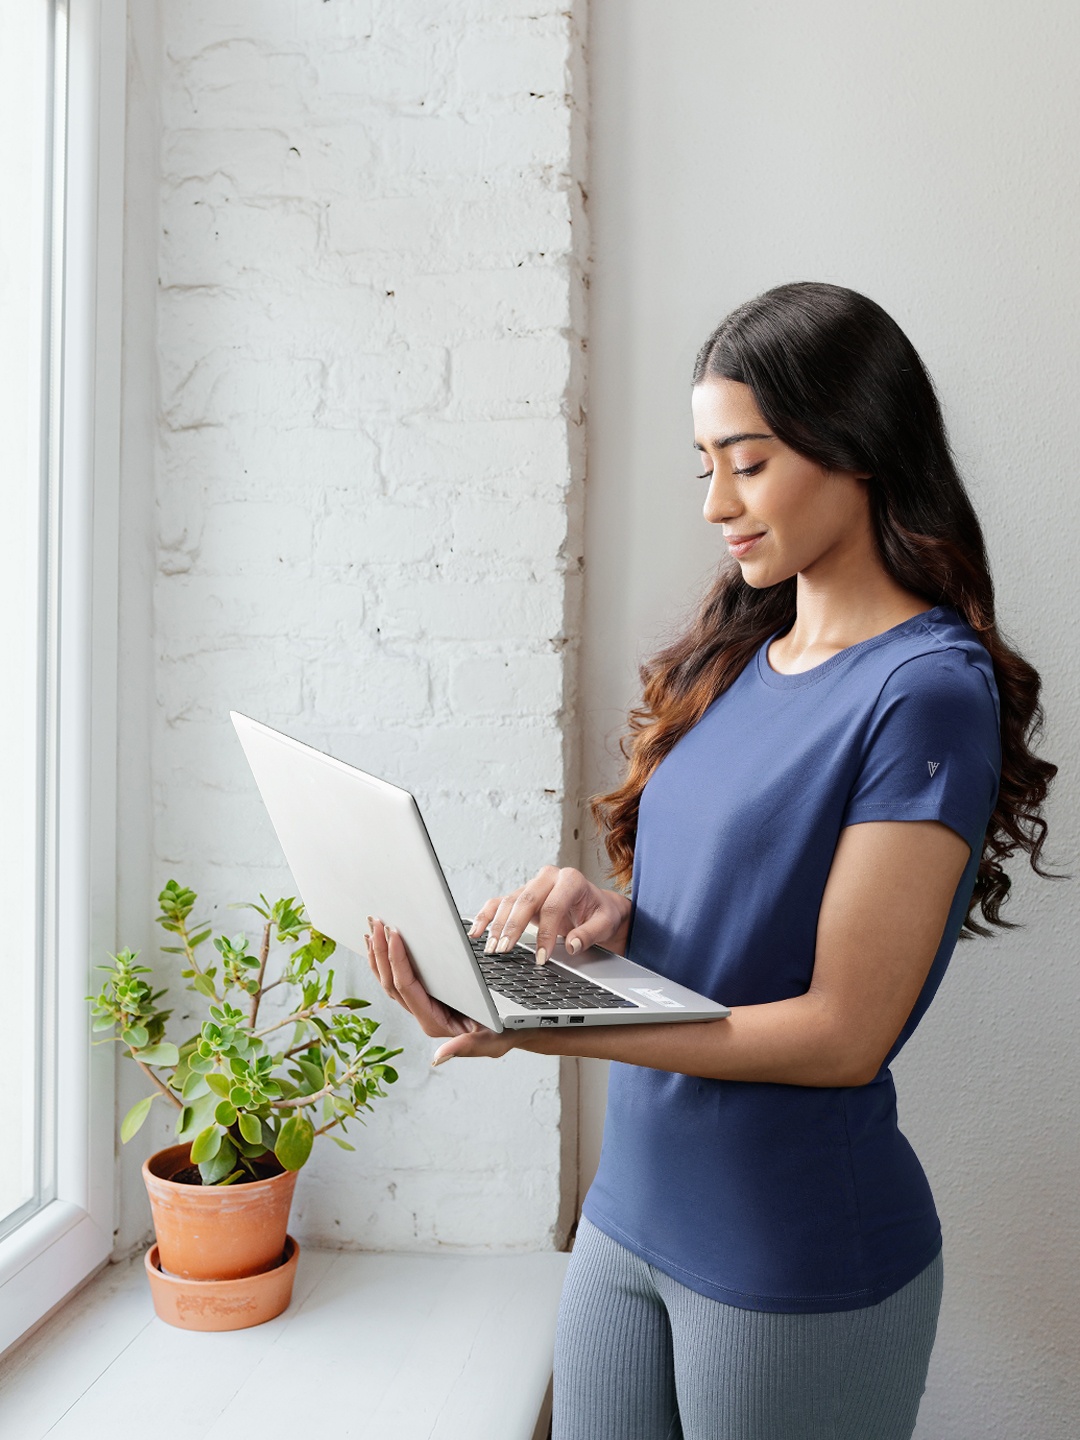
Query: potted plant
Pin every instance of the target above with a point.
(253, 1089)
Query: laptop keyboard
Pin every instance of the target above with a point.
(516, 975)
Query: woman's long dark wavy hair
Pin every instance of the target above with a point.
(837, 380)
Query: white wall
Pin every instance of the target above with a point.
(355, 240)
(928, 155)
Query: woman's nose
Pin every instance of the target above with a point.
(722, 501)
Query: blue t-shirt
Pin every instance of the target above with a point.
(786, 1197)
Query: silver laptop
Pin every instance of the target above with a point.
(358, 846)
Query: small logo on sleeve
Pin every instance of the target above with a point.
(932, 766)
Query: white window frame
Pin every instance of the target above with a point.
(69, 1238)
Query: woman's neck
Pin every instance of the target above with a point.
(840, 605)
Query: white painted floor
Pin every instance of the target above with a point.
(406, 1347)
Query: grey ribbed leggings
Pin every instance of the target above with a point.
(640, 1357)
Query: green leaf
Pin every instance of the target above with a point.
(136, 1036)
(245, 1147)
(250, 1128)
(219, 1084)
(204, 985)
(206, 1145)
(312, 1073)
(225, 1114)
(163, 1054)
(294, 1142)
(197, 1116)
(344, 1144)
(352, 1003)
(195, 1086)
(134, 1118)
(220, 1166)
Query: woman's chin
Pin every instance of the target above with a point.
(758, 576)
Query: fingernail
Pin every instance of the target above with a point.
(503, 945)
(386, 932)
(489, 948)
(573, 946)
(541, 955)
(439, 1059)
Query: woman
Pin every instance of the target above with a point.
(825, 774)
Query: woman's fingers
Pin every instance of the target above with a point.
(498, 920)
(431, 1015)
(478, 1043)
(484, 917)
(521, 909)
(567, 898)
(560, 902)
(379, 959)
(596, 930)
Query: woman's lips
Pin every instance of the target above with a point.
(741, 545)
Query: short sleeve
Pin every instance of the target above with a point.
(932, 750)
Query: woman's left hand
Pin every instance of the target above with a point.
(393, 968)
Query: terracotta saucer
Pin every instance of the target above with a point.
(222, 1304)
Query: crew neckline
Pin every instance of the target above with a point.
(780, 681)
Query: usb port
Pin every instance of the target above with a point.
(577, 1019)
(549, 1019)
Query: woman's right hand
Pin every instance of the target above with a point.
(560, 902)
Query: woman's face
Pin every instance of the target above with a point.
(781, 513)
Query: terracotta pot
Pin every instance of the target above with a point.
(216, 1232)
(222, 1304)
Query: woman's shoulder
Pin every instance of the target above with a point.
(940, 658)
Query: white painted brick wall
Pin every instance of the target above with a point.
(368, 501)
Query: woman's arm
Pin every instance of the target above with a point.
(885, 905)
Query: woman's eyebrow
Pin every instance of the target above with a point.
(737, 439)
(733, 440)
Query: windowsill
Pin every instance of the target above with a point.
(414, 1346)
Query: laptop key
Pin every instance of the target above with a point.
(515, 974)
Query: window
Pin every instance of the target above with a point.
(61, 101)
(25, 273)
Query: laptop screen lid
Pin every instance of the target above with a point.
(357, 846)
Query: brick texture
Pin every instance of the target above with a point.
(370, 336)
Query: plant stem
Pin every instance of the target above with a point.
(171, 1094)
(297, 1015)
(337, 1120)
(182, 931)
(264, 955)
(301, 1101)
(298, 1049)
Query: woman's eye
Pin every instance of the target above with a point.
(747, 470)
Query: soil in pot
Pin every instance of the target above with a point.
(189, 1175)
